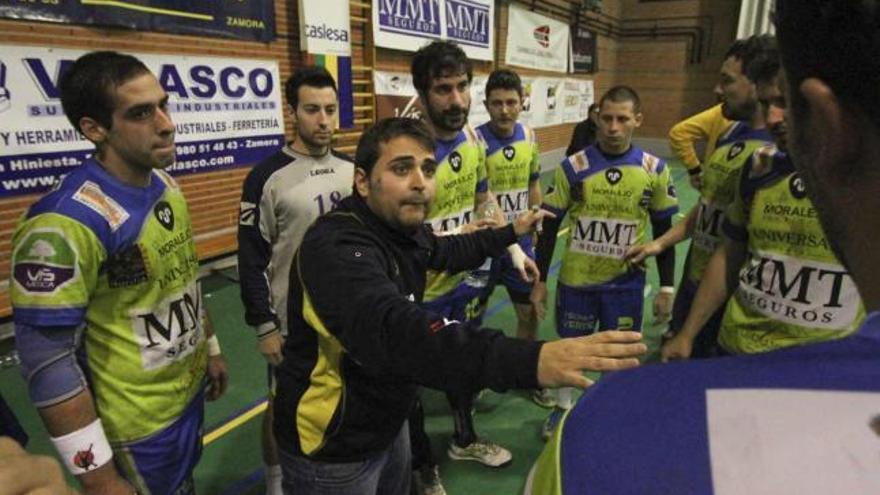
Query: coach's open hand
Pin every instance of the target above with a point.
(562, 362)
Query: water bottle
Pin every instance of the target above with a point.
(479, 278)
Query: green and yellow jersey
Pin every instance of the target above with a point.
(610, 201)
(118, 261)
(461, 174)
(512, 165)
(792, 288)
(720, 175)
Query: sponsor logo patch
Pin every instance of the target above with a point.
(126, 268)
(91, 195)
(509, 153)
(44, 262)
(164, 214)
(247, 213)
(613, 175)
(455, 161)
(797, 187)
(735, 150)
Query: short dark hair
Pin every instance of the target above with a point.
(87, 87)
(837, 41)
(755, 49)
(593, 107)
(622, 94)
(385, 130)
(764, 65)
(504, 79)
(438, 59)
(313, 76)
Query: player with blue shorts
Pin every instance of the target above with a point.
(110, 325)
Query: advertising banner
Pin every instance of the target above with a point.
(409, 24)
(546, 101)
(536, 41)
(242, 19)
(325, 35)
(227, 113)
(583, 51)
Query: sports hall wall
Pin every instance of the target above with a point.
(668, 50)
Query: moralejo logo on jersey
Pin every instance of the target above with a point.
(606, 237)
(44, 262)
(801, 292)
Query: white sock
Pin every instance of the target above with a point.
(273, 480)
(564, 398)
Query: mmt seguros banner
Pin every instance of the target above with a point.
(227, 113)
(409, 24)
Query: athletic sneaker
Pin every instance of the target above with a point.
(543, 397)
(482, 451)
(426, 481)
(550, 423)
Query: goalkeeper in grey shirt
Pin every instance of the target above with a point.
(281, 197)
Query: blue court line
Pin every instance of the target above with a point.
(245, 484)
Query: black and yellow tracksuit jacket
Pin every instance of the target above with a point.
(359, 343)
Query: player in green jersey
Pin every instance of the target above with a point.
(105, 286)
(720, 173)
(442, 76)
(514, 172)
(787, 286)
(611, 191)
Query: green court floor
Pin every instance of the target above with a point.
(231, 462)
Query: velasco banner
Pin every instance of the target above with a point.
(227, 113)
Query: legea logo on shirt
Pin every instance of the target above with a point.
(44, 262)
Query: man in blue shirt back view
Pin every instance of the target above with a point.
(800, 420)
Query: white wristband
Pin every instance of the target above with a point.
(667, 290)
(213, 346)
(85, 449)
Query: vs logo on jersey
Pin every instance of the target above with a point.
(797, 187)
(455, 161)
(509, 152)
(613, 175)
(164, 214)
(735, 150)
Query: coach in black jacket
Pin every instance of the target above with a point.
(359, 343)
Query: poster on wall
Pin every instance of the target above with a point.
(583, 51)
(536, 41)
(325, 36)
(409, 24)
(396, 97)
(227, 113)
(546, 101)
(242, 19)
